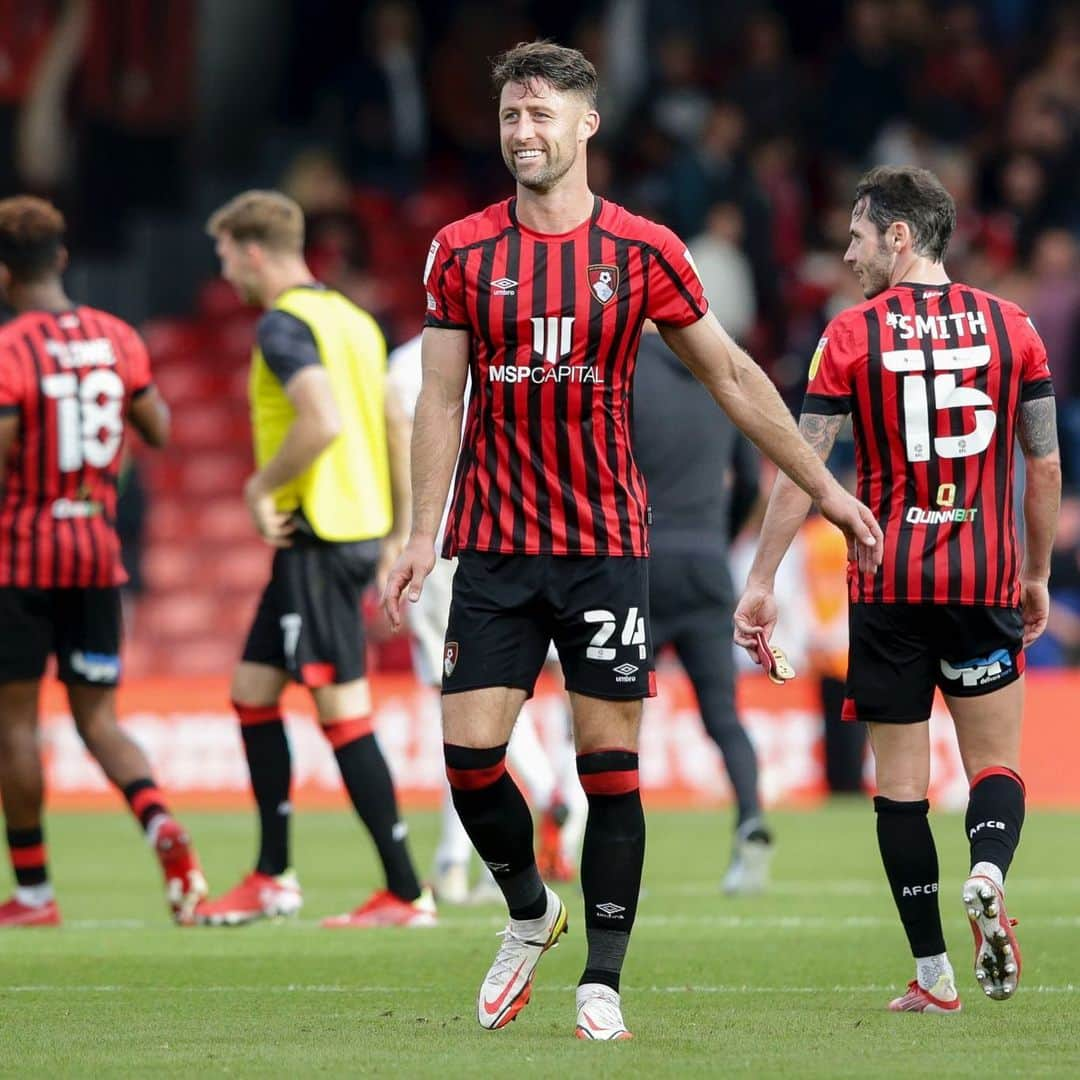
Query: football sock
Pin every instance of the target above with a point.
(995, 816)
(270, 765)
(611, 859)
(928, 969)
(911, 865)
(29, 861)
(371, 789)
(498, 821)
(147, 804)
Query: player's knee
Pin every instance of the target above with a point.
(471, 768)
(342, 732)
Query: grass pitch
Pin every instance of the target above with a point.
(793, 983)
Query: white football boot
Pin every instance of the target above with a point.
(599, 1014)
(507, 986)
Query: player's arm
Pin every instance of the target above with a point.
(9, 431)
(398, 437)
(149, 415)
(292, 354)
(1036, 432)
(436, 438)
(787, 510)
(316, 425)
(748, 396)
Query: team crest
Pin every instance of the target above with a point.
(450, 655)
(604, 282)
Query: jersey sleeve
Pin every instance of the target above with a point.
(676, 296)
(830, 386)
(445, 287)
(11, 389)
(287, 344)
(1035, 381)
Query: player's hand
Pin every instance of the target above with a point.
(755, 614)
(1035, 608)
(866, 544)
(275, 527)
(392, 547)
(407, 576)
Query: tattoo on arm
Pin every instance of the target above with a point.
(820, 431)
(1037, 429)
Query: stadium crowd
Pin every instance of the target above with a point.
(742, 128)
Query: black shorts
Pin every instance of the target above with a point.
(309, 622)
(507, 609)
(81, 626)
(899, 653)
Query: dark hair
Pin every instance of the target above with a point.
(914, 196)
(31, 236)
(563, 68)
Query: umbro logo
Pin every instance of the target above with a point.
(610, 910)
(503, 286)
(625, 669)
(498, 867)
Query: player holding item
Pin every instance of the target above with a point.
(939, 379)
(322, 497)
(540, 298)
(70, 377)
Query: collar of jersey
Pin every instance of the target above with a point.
(588, 223)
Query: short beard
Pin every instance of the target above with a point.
(878, 273)
(543, 181)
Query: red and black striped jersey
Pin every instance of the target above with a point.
(934, 376)
(554, 321)
(70, 378)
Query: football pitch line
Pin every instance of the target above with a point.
(723, 922)
(297, 988)
(849, 887)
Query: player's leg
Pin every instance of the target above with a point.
(26, 630)
(604, 642)
(891, 686)
(22, 791)
(270, 889)
(496, 640)
(703, 645)
(321, 589)
(345, 713)
(986, 700)
(427, 621)
(88, 632)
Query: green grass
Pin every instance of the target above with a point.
(792, 983)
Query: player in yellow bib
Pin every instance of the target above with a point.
(325, 450)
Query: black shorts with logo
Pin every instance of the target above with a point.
(81, 626)
(899, 653)
(308, 622)
(507, 609)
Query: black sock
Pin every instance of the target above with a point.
(995, 816)
(145, 800)
(911, 865)
(498, 821)
(371, 789)
(270, 765)
(28, 856)
(611, 859)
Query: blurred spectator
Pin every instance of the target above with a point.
(675, 101)
(725, 271)
(1054, 307)
(768, 87)
(380, 100)
(135, 104)
(865, 87)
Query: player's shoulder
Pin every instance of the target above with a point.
(626, 225)
(1010, 309)
(473, 228)
(848, 327)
